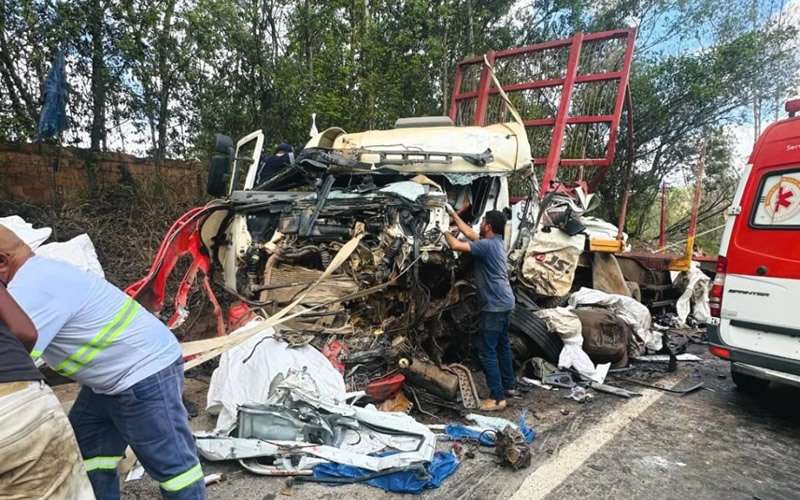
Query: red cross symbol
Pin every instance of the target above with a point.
(783, 199)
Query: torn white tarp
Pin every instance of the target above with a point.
(629, 310)
(79, 251)
(245, 373)
(568, 326)
(698, 286)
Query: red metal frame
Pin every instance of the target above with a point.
(182, 238)
(562, 118)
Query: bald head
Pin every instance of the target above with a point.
(13, 253)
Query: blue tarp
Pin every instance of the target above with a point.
(442, 467)
(53, 119)
(456, 432)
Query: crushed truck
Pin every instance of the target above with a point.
(550, 129)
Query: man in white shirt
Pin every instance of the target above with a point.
(129, 363)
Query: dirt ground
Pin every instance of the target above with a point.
(716, 442)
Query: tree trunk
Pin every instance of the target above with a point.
(165, 74)
(98, 130)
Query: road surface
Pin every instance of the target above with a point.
(717, 443)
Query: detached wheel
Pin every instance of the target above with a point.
(748, 383)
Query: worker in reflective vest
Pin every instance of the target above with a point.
(128, 362)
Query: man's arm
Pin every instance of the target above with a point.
(16, 320)
(462, 226)
(456, 244)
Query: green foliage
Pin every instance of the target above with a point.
(163, 77)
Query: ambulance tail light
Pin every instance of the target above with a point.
(718, 287)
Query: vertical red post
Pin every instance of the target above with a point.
(698, 189)
(662, 234)
(623, 212)
(554, 157)
(456, 91)
(483, 92)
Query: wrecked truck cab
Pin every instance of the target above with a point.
(275, 240)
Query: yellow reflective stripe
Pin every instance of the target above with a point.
(101, 463)
(36, 354)
(77, 365)
(77, 354)
(184, 480)
(100, 341)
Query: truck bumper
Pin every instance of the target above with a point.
(743, 360)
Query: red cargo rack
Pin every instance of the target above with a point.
(569, 92)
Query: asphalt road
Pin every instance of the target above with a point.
(717, 443)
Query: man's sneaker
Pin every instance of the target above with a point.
(512, 393)
(492, 405)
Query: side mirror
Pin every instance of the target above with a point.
(218, 175)
(223, 144)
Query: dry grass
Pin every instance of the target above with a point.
(126, 224)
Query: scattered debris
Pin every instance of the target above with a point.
(512, 448)
(399, 403)
(617, 391)
(213, 478)
(664, 358)
(680, 392)
(580, 394)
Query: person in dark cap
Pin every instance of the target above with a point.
(274, 163)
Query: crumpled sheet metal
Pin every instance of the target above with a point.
(244, 370)
(415, 441)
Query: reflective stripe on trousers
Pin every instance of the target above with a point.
(103, 339)
(181, 481)
(101, 463)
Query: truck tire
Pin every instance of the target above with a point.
(531, 331)
(551, 302)
(749, 383)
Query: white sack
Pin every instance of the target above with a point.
(235, 382)
(567, 325)
(600, 229)
(562, 321)
(79, 251)
(573, 356)
(548, 267)
(629, 310)
(698, 286)
(32, 237)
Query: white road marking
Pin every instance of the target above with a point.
(553, 472)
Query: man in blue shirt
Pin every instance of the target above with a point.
(496, 300)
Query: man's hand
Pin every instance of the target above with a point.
(462, 226)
